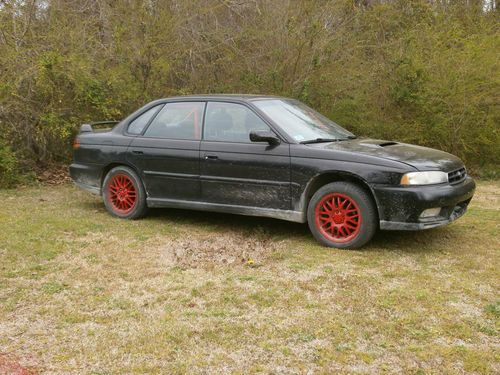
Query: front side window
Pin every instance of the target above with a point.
(301, 122)
(138, 125)
(180, 120)
(230, 122)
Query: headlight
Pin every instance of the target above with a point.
(424, 178)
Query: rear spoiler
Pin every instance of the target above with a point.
(87, 128)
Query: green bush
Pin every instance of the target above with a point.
(9, 172)
(413, 71)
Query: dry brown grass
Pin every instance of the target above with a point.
(192, 292)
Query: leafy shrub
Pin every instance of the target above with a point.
(9, 172)
(413, 71)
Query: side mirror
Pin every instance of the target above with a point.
(264, 136)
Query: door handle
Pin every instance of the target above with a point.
(211, 157)
(137, 152)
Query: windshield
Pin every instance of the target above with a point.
(301, 122)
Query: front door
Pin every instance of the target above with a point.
(168, 153)
(236, 171)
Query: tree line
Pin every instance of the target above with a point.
(419, 71)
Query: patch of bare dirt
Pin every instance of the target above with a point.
(221, 249)
(53, 175)
(9, 365)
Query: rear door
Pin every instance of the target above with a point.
(236, 171)
(167, 153)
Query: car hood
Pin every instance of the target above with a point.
(422, 158)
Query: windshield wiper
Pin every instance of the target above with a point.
(320, 140)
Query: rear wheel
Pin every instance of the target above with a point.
(123, 193)
(342, 215)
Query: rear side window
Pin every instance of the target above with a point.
(138, 125)
(178, 121)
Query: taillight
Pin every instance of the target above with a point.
(76, 143)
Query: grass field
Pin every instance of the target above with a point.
(193, 292)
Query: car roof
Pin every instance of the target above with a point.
(241, 97)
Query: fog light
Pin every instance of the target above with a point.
(430, 212)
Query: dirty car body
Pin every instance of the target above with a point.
(262, 156)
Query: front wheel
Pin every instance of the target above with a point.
(123, 193)
(342, 215)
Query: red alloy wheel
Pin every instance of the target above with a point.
(338, 217)
(122, 193)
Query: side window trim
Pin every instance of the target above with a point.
(203, 102)
(245, 105)
(159, 108)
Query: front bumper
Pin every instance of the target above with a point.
(400, 207)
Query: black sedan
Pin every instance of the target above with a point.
(268, 156)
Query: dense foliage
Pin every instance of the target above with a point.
(421, 71)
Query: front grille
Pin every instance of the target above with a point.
(457, 176)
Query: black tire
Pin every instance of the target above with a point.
(328, 222)
(118, 202)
